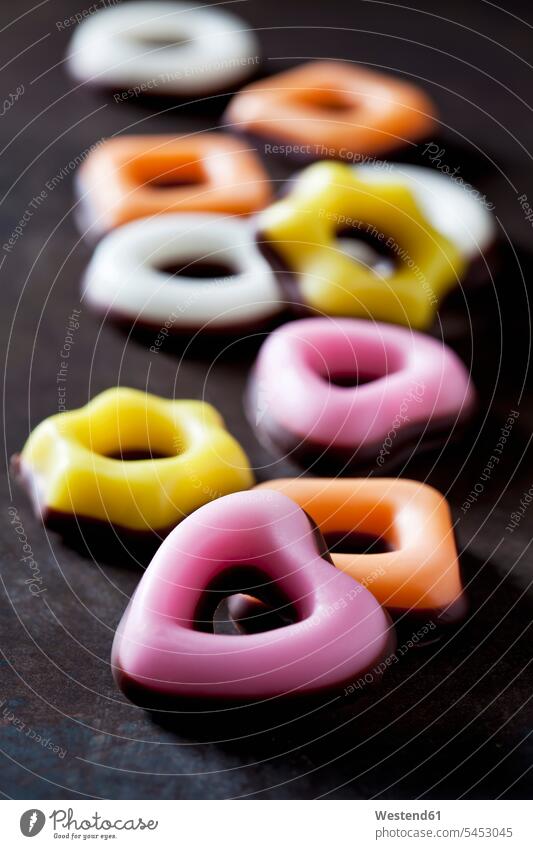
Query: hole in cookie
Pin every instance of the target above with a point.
(349, 380)
(137, 454)
(134, 434)
(326, 101)
(245, 613)
(162, 42)
(342, 366)
(157, 170)
(199, 269)
(368, 246)
(172, 180)
(252, 615)
(244, 590)
(356, 543)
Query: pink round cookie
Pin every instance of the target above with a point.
(353, 394)
(262, 543)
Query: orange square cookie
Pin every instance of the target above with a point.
(137, 176)
(415, 567)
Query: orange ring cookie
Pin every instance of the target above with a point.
(333, 110)
(420, 571)
(137, 176)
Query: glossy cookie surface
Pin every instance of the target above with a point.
(134, 461)
(349, 242)
(183, 273)
(263, 542)
(131, 177)
(163, 48)
(328, 110)
(395, 536)
(353, 395)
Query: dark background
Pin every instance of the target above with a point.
(450, 720)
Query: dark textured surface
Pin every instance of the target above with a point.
(447, 720)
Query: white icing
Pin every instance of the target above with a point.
(124, 280)
(118, 46)
(449, 207)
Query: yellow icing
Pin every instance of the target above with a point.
(66, 459)
(303, 226)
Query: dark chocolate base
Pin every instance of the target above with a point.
(259, 708)
(287, 279)
(94, 538)
(328, 461)
(482, 271)
(206, 340)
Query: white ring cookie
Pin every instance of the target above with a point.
(451, 209)
(124, 278)
(163, 48)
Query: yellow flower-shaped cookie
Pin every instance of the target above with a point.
(86, 464)
(307, 229)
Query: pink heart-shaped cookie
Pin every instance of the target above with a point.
(262, 543)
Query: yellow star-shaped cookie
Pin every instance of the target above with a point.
(305, 229)
(84, 464)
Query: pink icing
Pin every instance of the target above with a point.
(341, 629)
(419, 380)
